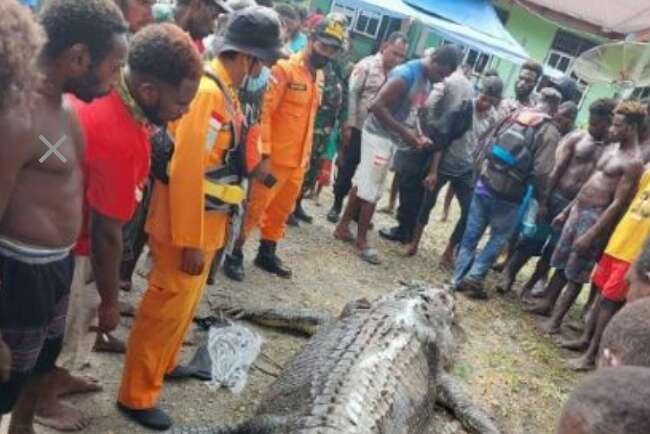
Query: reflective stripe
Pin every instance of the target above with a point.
(230, 194)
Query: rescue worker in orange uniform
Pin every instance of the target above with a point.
(288, 115)
(188, 214)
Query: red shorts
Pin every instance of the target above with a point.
(609, 277)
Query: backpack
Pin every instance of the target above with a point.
(510, 157)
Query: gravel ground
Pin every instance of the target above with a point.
(507, 365)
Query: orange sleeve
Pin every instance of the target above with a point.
(186, 199)
(275, 92)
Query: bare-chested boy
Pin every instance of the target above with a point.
(41, 190)
(576, 158)
(596, 209)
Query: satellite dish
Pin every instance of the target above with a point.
(625, 65)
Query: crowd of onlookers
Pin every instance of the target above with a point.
(222, 117)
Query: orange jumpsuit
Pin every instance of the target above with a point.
(177, 220)
(288, 115)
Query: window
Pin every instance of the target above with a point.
(367, 23)
(503, 15)
(560, 61)
(349, 12)
(571, 44)
(640, 93)
(360, 21)
(565, 49)
(477, 60)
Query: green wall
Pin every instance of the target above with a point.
(323, 5)
(534, 33)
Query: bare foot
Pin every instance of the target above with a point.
(68, 384)
(504, 285)
(387, 210)
(577, 326)
(410, 250)
(447, 260)
(583, 364)
(344, 235)
(21, 429)
(578, 345)
(126, 285)
(550, 328)
(538, 308)
(61, 417)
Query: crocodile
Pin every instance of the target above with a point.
(379, 368)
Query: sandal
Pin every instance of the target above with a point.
(370, 256)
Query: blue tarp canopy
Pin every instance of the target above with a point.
(472, 23)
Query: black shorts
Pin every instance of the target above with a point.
(33, 307)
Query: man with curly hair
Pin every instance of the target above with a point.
(138, 13)
(164, 69)
(19, 80)
(41, 183)
(611, 401)
(590, 221)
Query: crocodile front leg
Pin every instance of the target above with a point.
(452, 396)
(304, 321)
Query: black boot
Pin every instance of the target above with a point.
(292, 220)
(301, 215)
(268, 261)
(335, 212)
(396, 234)
(233, 266)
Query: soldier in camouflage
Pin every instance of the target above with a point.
(331, 114)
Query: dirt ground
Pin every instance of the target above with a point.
(509, 367)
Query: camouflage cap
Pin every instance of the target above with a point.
(332, 30)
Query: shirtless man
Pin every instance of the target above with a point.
(576, 159)
(595, 210)
(41, 197)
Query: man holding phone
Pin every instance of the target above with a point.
(392, 126)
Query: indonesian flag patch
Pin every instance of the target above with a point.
(214, 126)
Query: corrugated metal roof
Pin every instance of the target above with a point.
(621, 16)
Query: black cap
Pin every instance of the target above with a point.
(254, 31)
(223, 5)
(332, 30)
(567, 87)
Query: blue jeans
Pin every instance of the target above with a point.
(500, 216)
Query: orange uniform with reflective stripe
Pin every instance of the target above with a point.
(289, 111)
(177, 220)
(288, 114)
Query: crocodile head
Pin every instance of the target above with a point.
(429, 312)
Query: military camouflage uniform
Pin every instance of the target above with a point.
(329, 113)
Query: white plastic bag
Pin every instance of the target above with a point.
(233, 350)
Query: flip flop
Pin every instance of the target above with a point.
(370, 256)
(126, 309)
(107, 343)
(349, 239)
